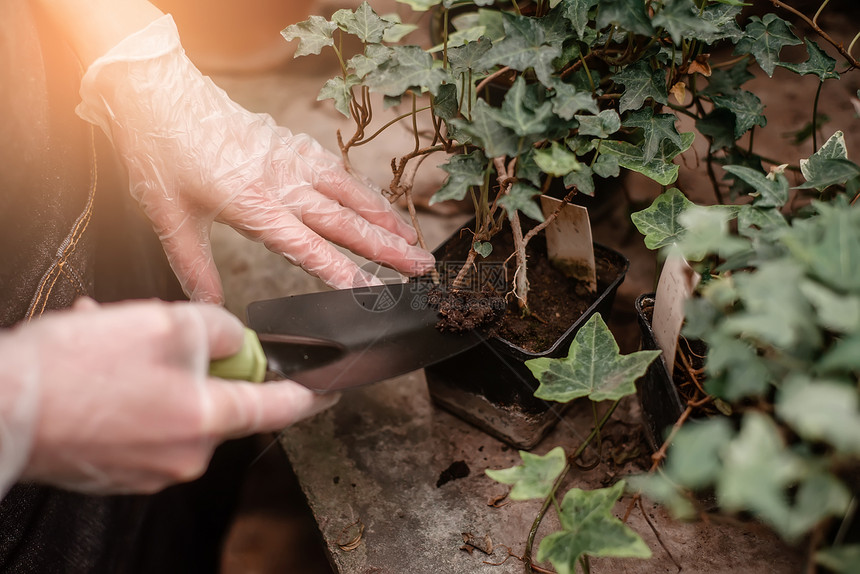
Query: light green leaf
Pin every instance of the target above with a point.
(818, 63)
(313, 35)
(821, 411)
(640, 83)
(607, 166)
(600, 126)
(364, 23)
(659, 222)
(660, 169)
(693, 459)
(569, 101)
(588, 527)
(836, 311)
(535, 477)
(483, 248)
(409, 67)
(523, 47)
(764, 38)
(655, 129)
(769, 192)
(517, 114)
(339, 90)
(753, 220)
(577, 12)
(521, 197)
(747, 109)
(593, 367)
(464, 171)
(496, 139)
(843, 356)
(708, 232)
(829, 165)
(557, 161)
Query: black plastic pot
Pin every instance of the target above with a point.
(490, 387)
(661, 404)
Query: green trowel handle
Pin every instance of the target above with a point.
(249, 364)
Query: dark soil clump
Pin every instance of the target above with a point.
(462, 310)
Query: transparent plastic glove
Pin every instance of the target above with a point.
(116, 399)
(194, 155)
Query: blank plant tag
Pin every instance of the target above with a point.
(568, 241)
(677, 282)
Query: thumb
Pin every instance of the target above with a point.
(241, 409)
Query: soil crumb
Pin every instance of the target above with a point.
(462, 310)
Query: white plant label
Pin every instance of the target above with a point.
(568, 241)
(677, 282)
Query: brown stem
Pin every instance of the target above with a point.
(486, 81)
(550, 218)
(460, 279)
(812, 24)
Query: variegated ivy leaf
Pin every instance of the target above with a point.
(535, 477)
(822, 410)
(753, 220)
(724, 18)
(837, 312)
(655, 129)
(557, 161)
(520, 114)
(626, 14)
(600, 126)
(524, 47)
(577, 12)
(466, 58)
(483, 248)
(764, 38)
(496, 139)
(569, 101)
(521, 197)
(829, 165)
(582, 179)
(590, 528)
(681, 19)
(660, 168)
(606, 166)
(313, 35)
(409, 67)
(397, 31)
(707, 231)
(593, 367)
(818, 63)
(746, 107)
(464, 171)
(660, 223)
(769, 191)
(640, 83)
(339, 90)
(363, 23)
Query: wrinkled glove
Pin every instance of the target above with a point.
(116, 399)
(194, 156)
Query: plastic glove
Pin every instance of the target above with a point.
(194, 155)
(116, 399)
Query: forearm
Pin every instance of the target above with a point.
(92, 27)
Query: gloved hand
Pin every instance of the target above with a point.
(116, 399)
(194, 155)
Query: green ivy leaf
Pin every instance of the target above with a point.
(521, 197)
(496, 139)
(483, 248)
(464, 171)
(728, 81)
(445, 104)
(535, 477)
(517, 114)
(339, 90)
(659, 222)
(752, 220)
(723, 18)
(843, 356)
(837, 312)
(640, 83)
(769, 191)
(707, 231)
(467, 57)
(606, 166)
(557, 161)
(524, 47)
(600, 126)
(719, 126)
(840, 559)
(583, 180)
(746, 107)
(577, 12)
(569, 101)
(764, 38)
(398, 29)
(681, 19)
(588, 527)
(818, 63)
(821, 411)
(364, 23)
(660, 169)
(409, 67)
(829, 165)
(655, 129)
(313, 35)
(627, 14)
(593, 367)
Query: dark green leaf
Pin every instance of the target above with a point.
(728, 81)
(640, 83)
(627, 14)
(577, 12)
(718, 125)
(583, 180)
(660, 169)
(593, 367)
(535, 477)
(313, 35)
(446, 104)
(409, 67)
(467, 57)
(464, 171)
(589, 528)
(523, 47)
(517, 114)
(600, 126)
(723, 17)
(496, 139)
(764, 38)
(521, 197)
(746, 107)
(681, 19)
(770, 190)
(569, 101)
(818, 63)
(606, 166)
(655, 129)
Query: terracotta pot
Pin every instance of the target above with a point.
(227, 36)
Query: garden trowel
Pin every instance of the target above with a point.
(335, 340)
